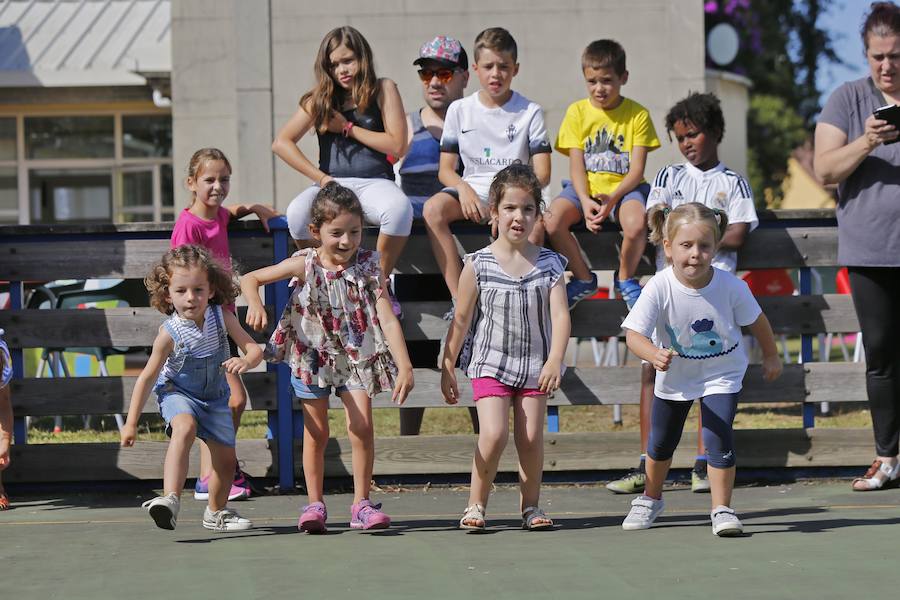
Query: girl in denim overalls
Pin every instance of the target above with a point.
(188, 364)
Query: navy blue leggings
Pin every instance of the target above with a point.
(717, 412)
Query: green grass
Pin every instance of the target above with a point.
(439, 421)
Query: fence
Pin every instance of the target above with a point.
(785, 239)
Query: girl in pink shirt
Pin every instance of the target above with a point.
(205, 223)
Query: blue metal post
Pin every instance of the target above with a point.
(553, 419)
(806, 351)
(284, 430)
(20, 432)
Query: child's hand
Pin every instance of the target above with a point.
(449, 389)
(591, 209)
(236, 365)
(4, 451)
(606, 207)
(336, 123)
(128, 435)
(471, 205)
(264, 213)
(256, 317)
(402, 386)
(550, 377)
(772, 367)
(663, 359)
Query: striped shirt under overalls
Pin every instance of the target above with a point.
(512, 332)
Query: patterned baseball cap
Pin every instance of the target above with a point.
(445, 51)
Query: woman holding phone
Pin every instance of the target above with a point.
(855, 149)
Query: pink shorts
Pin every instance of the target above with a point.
(483, 387)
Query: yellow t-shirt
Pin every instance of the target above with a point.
(606, 137)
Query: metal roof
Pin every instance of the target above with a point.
(53, 43)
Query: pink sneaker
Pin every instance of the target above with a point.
(240, 489)
(313, 517)
(366, 515)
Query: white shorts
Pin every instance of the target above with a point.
(384, 204)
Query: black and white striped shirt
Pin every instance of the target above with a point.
(512, 332)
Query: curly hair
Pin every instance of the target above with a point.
(516, 175)
(333, 200)
(664, 222)
(703, 110)
(223, 283)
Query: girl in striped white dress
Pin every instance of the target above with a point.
(515, 292)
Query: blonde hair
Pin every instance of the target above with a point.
(664, 222)
(327, 97)
(498, 40)
(222, 282)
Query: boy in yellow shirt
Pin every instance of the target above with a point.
(606, 137)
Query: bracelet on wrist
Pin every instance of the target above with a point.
(345, 130)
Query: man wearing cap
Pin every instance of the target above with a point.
(444, 71)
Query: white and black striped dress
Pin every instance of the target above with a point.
(512, 334)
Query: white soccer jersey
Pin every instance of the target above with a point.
(718, 187)
(489, 139)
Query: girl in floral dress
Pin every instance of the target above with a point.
(337, 332)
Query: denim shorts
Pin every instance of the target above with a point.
(213, 418)
(312, 392)
(639, 193)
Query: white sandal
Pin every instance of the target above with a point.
(473, 513)
(535, 513)
(872, 480)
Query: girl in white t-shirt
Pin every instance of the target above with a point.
(696, 312)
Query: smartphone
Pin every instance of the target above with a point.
(891, 114)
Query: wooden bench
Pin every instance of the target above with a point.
(793, 240)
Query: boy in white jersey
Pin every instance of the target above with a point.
(488, 131)
(698, 125)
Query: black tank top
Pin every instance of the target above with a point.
(341, 156)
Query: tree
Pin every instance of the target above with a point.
(782, 46)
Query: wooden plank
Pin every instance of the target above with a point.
(45, 463)
(790, 315)
(90, 327)
(117, 258)
(789, 248)
(452, 454)
(108, 395)
(589, 386)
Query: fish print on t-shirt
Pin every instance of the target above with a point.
(705, 343)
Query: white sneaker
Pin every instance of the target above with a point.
(725, 523)
(644, 511)
(225, 520)
(164, 510)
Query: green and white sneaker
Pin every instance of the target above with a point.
(164, 510)
(632, 483)
(225, 520)
(699, 481)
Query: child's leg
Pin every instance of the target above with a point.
(237, 401)
(558, 220)
(666, 423)
(648, 381)
(537, 234)
(184, 430)
(632, 219)
(385, 204)
(493, 421)
(358, 408)
(528, 432)
(315, 439)
(718, 417)
(223, 461)
(440, 210)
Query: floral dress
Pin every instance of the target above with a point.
(329, 331)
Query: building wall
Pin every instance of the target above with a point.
(240, 66)
(734, 93)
